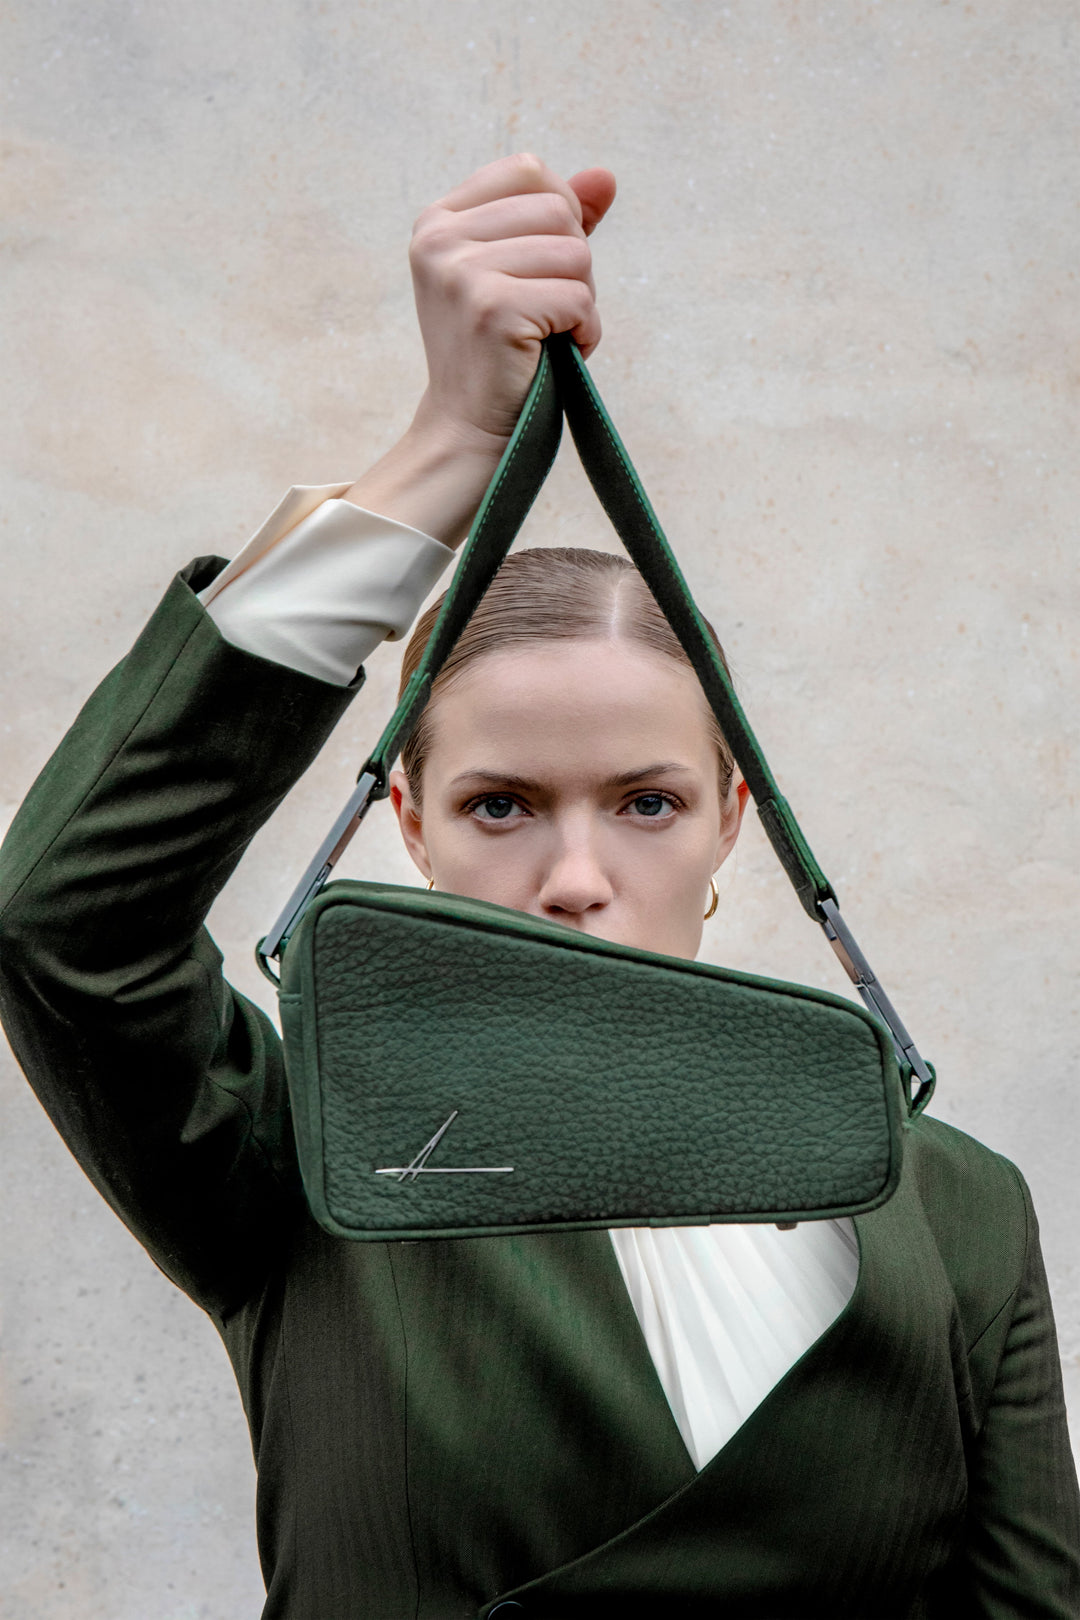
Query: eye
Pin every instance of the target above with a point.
(495, 807)
(656, 806)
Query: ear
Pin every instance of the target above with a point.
(738, 797)
(409, 820)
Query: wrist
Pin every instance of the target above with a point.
(434, 478)
(438, 432)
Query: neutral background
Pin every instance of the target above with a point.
(840, 298)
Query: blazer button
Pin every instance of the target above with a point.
(505, 1608)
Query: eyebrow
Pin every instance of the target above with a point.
(524, 783)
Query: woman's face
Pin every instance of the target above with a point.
(577, 781)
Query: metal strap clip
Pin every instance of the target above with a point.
(325, 859)
(866, 983)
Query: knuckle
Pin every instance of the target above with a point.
(424, 220)
(482, 296)
(578, 257)
(528, 165)
(433, 235)
(559, 214)
(457, 277)
(486, 313)
(587, 306)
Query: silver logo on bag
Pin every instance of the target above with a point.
(420, 1166)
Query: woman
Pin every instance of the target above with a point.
(848, 1419)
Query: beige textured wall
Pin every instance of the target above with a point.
(839, 289)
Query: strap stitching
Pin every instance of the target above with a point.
(474, 545)
(667, 561)
(804, 862)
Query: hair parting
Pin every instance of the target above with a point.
(557, 593)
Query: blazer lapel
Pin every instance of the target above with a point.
(538, 1428)
(852, 1459)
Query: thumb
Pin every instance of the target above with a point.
(595, 191)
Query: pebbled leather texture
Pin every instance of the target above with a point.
(623, 1088)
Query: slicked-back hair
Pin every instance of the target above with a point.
(557, 593)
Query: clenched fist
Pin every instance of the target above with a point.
(498, 264)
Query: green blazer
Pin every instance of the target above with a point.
(445, 1428)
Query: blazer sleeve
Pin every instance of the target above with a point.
(167, 1085)
(1021, 1556)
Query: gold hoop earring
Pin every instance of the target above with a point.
(714, 900)
(431, 882)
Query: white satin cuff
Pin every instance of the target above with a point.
(323, 582)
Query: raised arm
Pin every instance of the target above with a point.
(167, 1085)
(498, 264)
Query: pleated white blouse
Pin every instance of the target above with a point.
(725, 1311)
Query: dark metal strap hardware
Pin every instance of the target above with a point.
(866, 983)
(322, 864)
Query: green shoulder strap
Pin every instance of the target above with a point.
(563, 385)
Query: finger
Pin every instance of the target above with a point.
(587, 334)
(537, 257)
(565, 306)
(595, 190)
(509, 177)
(544, 212)
(554, 305)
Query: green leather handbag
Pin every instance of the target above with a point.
(460, 1069)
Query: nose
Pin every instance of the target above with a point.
(576, 881)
